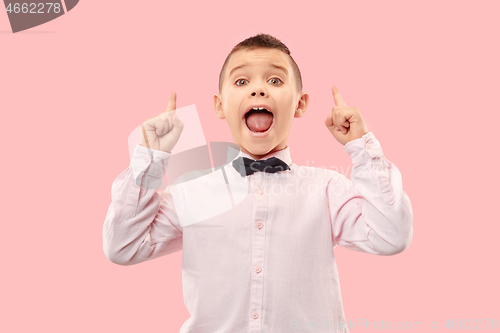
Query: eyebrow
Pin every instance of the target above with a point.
(272, 65)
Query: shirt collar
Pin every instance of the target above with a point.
(283, 154)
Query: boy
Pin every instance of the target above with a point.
(269, 266)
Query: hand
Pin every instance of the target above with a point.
(345, 123)
(163, 131)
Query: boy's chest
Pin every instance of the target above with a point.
(276, 227)
(295, 210)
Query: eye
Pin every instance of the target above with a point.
(275, 81)
(237, 82)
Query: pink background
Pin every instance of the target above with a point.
(424, 74)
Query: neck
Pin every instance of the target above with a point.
(258, 157)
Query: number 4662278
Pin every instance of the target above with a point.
(25, 8)
(463, 324)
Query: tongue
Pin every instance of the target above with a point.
(259, 121)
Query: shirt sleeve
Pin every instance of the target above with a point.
(371, 212)
(141, 224)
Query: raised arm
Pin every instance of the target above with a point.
(141, 223)
(371, 212)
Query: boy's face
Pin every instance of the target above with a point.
(260, 77)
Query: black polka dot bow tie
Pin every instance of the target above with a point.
(246, 166)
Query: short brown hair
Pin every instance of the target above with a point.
(264, 41)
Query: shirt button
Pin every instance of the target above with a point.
(255, 315)
(258, 269)
(368, 146)
(145, 159)
(260, 225)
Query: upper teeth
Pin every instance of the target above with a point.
(258, 108)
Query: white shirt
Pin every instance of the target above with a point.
(267, 264)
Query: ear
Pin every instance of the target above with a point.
(218, 106)
(302, 105)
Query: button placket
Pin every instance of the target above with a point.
(258, 190)
(258, 255)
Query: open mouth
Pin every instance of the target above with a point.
(259, 119)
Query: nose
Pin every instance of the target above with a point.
(259, 90)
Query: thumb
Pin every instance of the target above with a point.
(329, 121)
(335, 132)
(168, 141)
(178, 126)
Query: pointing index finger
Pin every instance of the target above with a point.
(171, 102)
(337, 98)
